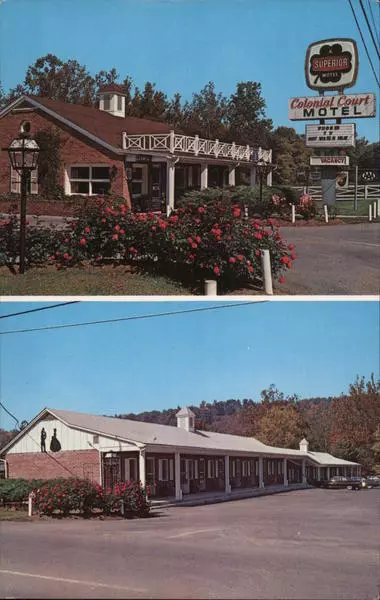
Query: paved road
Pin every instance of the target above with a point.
(341, 259)
(310, 544)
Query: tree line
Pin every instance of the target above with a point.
(240, 117)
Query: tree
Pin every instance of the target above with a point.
(206, 114)
(282, 425)
(174, 112)
(246, 117)
(289, 154)
(153, 103)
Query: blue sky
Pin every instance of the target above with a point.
(182, 44)
(310, 348)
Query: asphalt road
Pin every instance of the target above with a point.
(341, 259)
(309, 544)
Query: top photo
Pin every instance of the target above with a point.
(189, 147)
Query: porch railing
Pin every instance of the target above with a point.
(194, 146)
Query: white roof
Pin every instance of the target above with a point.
(152, 434)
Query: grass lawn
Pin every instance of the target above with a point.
(88, 281)
(346, 207)
(13, 515)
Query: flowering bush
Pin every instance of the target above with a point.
(39, 242)
(65, 495)
(202, 240)
(132, 494)
(306, 207)
(17, 490)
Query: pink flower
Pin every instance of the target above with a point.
(83, 241)
(115, 236)
(117, 227)
(258, 235)
(87, 229)
(282, 280)
(216, 270)
(232, 260)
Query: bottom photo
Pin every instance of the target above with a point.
(189, 449)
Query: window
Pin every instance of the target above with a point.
(211, 469)
(139, 185)
(119, 103)
(31, 183)
(107, 102)
(89, 180)
(246, 469)
(130, 469)
(95, 439)
(163, 469)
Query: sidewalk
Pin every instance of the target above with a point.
(203, 498)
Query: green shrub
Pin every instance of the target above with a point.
(39, 243)
(17, 490)
(63, 496)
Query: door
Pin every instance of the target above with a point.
(150, 475)
(130, 469)
(139, 180)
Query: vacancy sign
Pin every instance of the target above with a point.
(330, 136)
(327, 161)
(331, 64)
(352, 106)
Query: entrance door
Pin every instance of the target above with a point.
(139, 181)
(130, 469)
(150, 475)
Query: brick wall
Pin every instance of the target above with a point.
(75, 148)
(71, 463)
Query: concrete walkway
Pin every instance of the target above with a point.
(203, 498)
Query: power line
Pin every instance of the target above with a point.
(134, 318)
(364, 44)
(25, 312)
(10, 414)
(373, 21)
(369, 27)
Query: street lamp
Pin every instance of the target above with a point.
(23, 155)
(263, 169)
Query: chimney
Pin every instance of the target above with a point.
(186, 419)
(112, 100)
(304, 445)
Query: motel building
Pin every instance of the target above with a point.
(174, 461)
(102, 150)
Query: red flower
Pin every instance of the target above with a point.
(282, 280)
(285, 260)
(52, 258)
(291, 246)
(201, 210)
(232, 260)
(198, 239)
(83, 241)
(240, 257)
(87, 229)
(190, 240)
(258, 235)
(115, 236)
(66, 256)
(250, 269)
(173, 236)
(154, 228)
(194, 246)
(257, 252)
(293, 256)
(117, 227)
(122, 231)
(104, 220)
(197, 221)
(216, 270)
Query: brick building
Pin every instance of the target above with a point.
(173, 460)
(145, 161)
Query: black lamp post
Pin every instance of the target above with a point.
(23, 155)
(263, 169)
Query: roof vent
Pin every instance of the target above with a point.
(112, 100)
(186, 419)
(304, 445)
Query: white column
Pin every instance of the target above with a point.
(269, 176)
(170, 182)
(231, 175)
(261, 472)
(142, 467)
(227, 487)
(318, 473)
(304, 471)
(285, 471)
(177, 475)
(328, 472)
(204, 176)
(252, 175)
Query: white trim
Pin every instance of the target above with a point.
(90, 180)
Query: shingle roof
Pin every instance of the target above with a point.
(100, 123)
(324, 458)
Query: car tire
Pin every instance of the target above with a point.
(349, 487)
(369, 487)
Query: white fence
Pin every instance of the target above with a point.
(368, 192)
(175, 143)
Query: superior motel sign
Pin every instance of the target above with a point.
(330, 136)
(350, 106)
(331, 64)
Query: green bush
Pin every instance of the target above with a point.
(39, 243)
(17, 490)
(63, 496)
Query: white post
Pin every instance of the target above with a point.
(172, 134)
(370, 213)
(328, 472)
(378, 207)
(318, 473)
(211, 287)
(326, 213)
(204, 176)
(231, 176)
(227, 487)
(269, 176)
(252, 176)
(293, 213)
(365, 192)
(196, 145)
(142, 471)
(285, 472)
(30, 504)
(304, 471)
(170, 178)
(374, 210)
(177, 471)
(261, 472)
(267, 273)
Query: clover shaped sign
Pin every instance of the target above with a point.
(331, 64)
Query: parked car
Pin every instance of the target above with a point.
(372, 481)
(340, 482)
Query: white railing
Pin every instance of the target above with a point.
(364, 192)
(175, 143)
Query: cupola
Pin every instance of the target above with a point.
(112, 100)
(304, 445)
(186, 419)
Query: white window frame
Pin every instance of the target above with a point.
(211, 468)
(256, 467)
(90, 180)
(15, 180)
(161, 462)
(127, 467)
